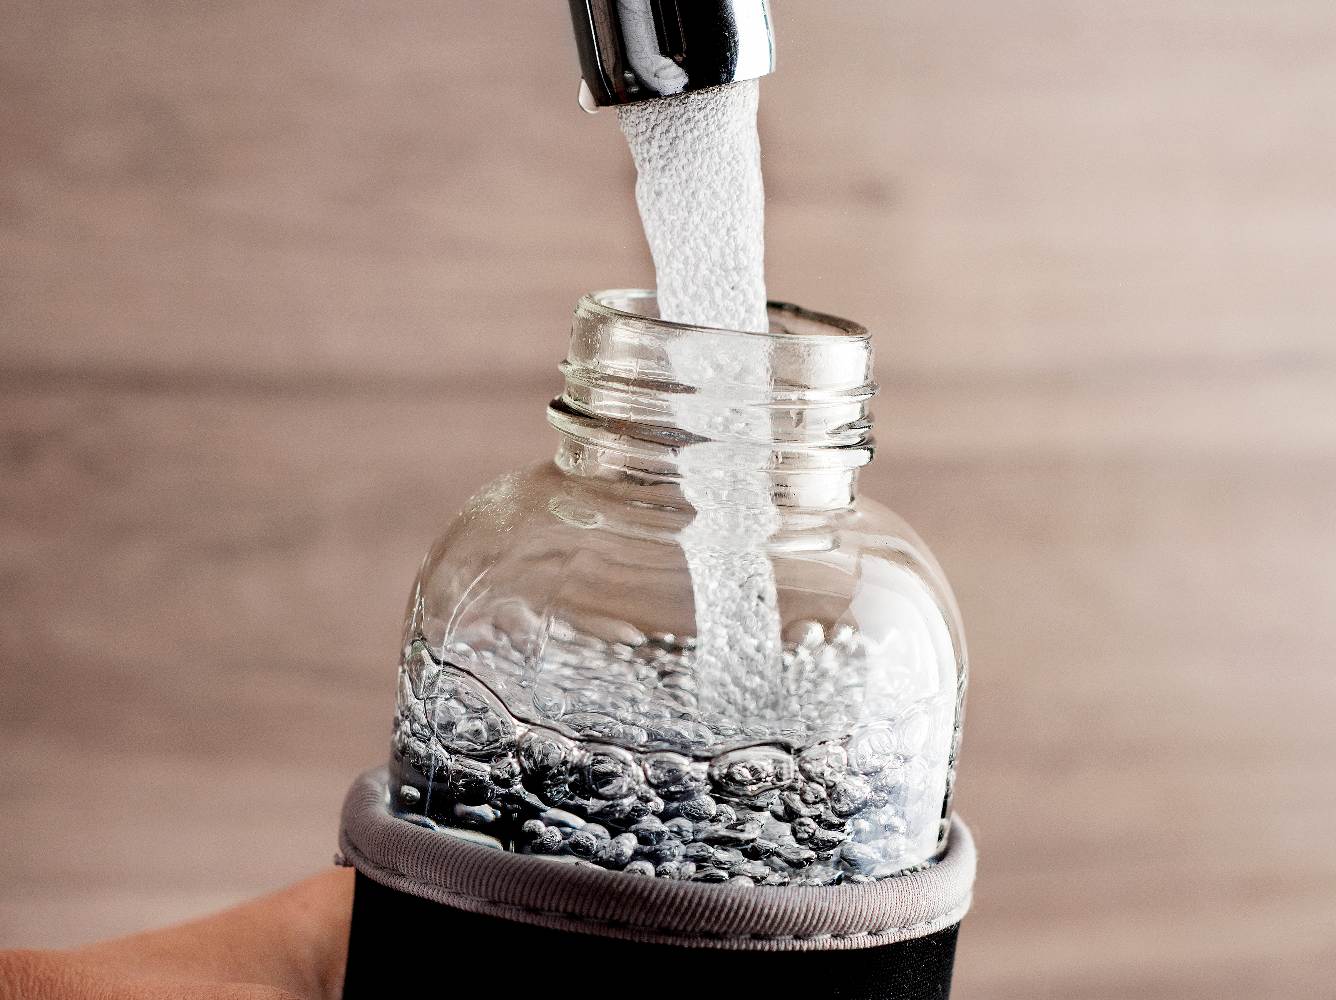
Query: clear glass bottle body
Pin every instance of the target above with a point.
(687, 648)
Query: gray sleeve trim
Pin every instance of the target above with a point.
(588, 900)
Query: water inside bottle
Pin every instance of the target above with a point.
(607, 760)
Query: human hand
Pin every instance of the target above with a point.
(287, 946)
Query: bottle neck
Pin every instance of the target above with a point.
(715, 418)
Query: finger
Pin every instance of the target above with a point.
(38, 975)
(295, 940)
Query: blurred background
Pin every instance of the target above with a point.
(282, 282)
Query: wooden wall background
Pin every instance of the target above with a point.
(282, 281)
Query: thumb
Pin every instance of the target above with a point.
(294, 940)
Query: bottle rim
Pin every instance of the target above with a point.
(619, 303)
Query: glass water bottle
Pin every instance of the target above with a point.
(687, 647)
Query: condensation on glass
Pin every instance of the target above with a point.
(687, 647)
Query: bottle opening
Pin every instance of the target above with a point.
(640, 391)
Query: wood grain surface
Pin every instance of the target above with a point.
(282, 282)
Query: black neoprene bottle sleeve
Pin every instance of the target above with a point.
(403, 942)
(438, 913)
